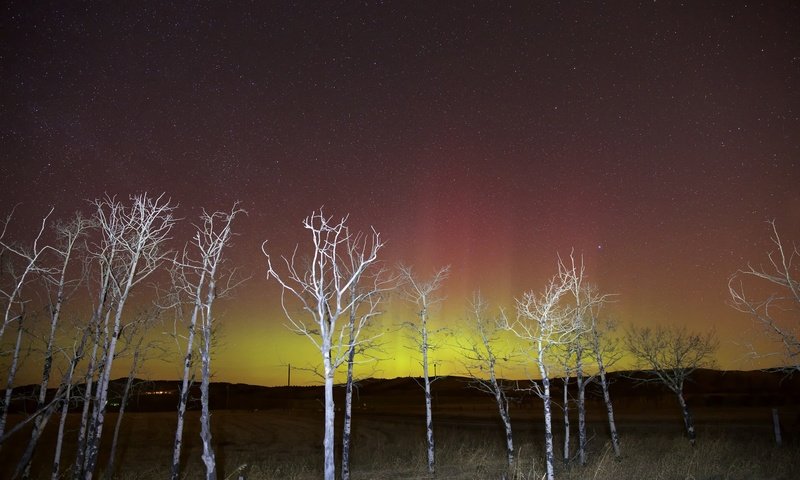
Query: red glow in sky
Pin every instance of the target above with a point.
(655, 139)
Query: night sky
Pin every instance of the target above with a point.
(654, 138)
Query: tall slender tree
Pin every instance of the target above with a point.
(482, 356)
(198, 282)
(366, 294)
(545, 321)
(130, 248)
(603, 348)
(19, 269)
(423, 294)
(322, 288)
(59, 283)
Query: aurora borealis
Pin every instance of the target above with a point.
(654, 138)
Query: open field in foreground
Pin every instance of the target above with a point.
(286, 444)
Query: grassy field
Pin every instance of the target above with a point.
(282, 444)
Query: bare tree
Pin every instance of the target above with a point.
(423, 295)
(66, 384)
(365, 296)
(196, 281)
(322, 287)
(19, 266)
(669, 355)
(545, 321)
(135, 335)
(481, 364)
(587, 303)
(58, 287)
(605, 352)
(567, 363)
(777, 313)
(130, 248)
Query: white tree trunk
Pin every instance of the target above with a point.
(549, 449)
(565, 407)
(183, 400)
(581, 381)
(330, 414)
(12, 373)
(208, 457)
(83, 428)
(41, 421)
(428, 404)
(612, 425)
(56, 474)
(109, 472)
(42, 418)
(505, 416)
(348, 403)
(687, 418)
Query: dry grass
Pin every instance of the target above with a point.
(287, 446)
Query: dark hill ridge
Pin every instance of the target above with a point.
(401, 395)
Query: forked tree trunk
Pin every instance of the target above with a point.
(687, 418)
(565, 407)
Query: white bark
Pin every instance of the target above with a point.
(130, 250)
(545, 321)
(69, 235)
(565, 409)
(196, 282)
(581, 383)
(12, 293)
(605, 353)
(348, 398)
(208, 457)
(481, 360)
(421, 293)
(66, 384)
(83, 427)
(56, 472)
(549, 448)
(323, 289)
(135, 363)
(13, 297)
(428, 403)
(12, 373)
(612, 425)
(365, 301)
(687, 418)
